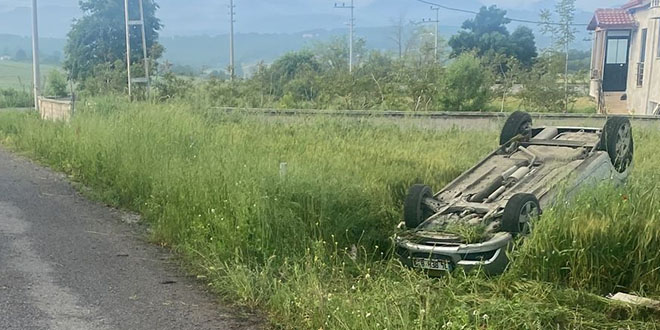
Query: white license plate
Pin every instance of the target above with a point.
(434, 264)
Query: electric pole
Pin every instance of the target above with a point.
(231, 40)
(128, 46)
(437, 29)
(129, 23)
(351, 29)
(35, 56)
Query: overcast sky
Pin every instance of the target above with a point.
(188, 17)
(582, 4)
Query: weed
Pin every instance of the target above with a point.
(313, 248)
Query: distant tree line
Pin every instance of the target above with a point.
(482, 62)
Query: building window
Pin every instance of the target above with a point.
(642, 58)
(642, 43)
(617, 51)
(657, 53)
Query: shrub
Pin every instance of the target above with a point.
(467, 84)
(56, 84)
(543, 90)
(170, 86)
(12, 98)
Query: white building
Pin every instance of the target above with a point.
(625, 63)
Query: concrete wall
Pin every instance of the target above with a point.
(56, 110)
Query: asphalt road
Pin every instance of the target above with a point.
(68, 263)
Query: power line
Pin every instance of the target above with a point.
(509, 18)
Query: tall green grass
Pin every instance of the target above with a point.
(312, 249)
(12, 98)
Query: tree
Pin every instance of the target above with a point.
(294, 74)
(98, 38)
(524, 45)
(562, 33)
(421, 47)
(488, 25)
(489, 19)
(488, 36)
(399, 35)
(56, 84)
(542, 90)
(467, 84)
(334, 53)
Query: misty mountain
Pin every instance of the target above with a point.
(200, 17)
(49, 47)
(195, 32)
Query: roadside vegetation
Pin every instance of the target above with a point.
(313, 248)
(16, 83)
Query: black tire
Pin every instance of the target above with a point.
(618, 141)
(518, 123)
(518, 212)
(414, 210)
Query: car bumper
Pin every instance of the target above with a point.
(490, 256)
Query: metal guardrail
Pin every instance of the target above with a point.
(430, 115)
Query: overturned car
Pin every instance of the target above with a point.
(473, 221)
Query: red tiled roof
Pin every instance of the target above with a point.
(632, 3)
(612, 18)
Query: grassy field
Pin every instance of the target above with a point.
(312, 250)
(18, 75)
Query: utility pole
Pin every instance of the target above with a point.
(437, 29)
(351, 29)
(128, 46)
(231, 40)
(35, 56)
(128, 24)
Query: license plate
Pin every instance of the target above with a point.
(433, 264)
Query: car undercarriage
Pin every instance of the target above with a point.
(473, 221)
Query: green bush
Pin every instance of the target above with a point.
(56, 84)
(543, 89)
(12, 98)
(170, 86)
(467, 84)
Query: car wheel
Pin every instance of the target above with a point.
(519, 214)
(518, 123)
(414, 210)
(617, 140)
